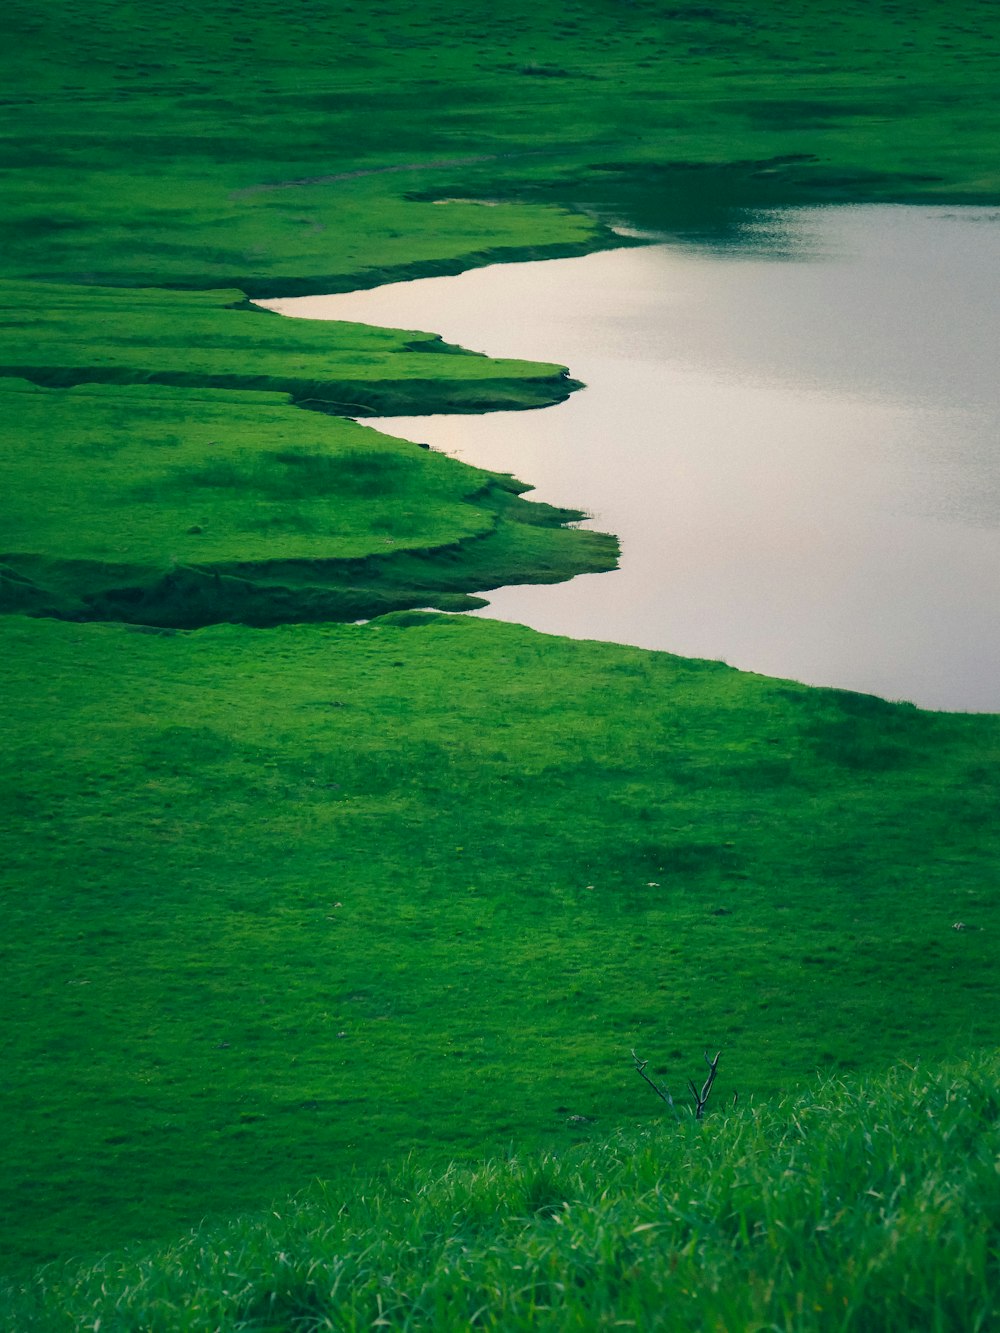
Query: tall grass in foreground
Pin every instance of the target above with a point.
(852, 1206)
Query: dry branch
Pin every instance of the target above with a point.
(700, 1096)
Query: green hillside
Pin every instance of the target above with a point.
(853, 1206)
(285, 904)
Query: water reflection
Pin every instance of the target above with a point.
(798, 449)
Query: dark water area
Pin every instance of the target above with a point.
(795, 437)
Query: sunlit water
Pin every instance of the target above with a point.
(797, 441)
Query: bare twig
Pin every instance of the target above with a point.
(700, 1098)
(640, 1069)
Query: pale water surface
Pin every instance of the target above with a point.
(797, 441)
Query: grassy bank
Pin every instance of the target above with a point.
(288, 148)
(288, 902)
(60, 335)
(177, 507)
(284, 904)
(862, 1205)
(265, 149)
(182, 484)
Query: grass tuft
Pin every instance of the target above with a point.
(853, 1206)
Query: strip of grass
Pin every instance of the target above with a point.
(849, 1206)
(164, 500)
(282, 904)
(63, 335)
(173, 507)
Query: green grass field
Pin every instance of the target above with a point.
(170, 144)
(287, 897)
(864, 1205)
(292, 903)
(216, 339)
(178, 507)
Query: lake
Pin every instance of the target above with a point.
(795, 437)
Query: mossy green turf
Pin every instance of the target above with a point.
(544, 852)
(282, 904)
(148, 467)
(140, 139)
(847, 1207)
(184, 507)
(62, 335)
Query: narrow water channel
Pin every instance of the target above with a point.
(796, 440)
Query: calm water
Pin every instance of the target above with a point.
(797, 441)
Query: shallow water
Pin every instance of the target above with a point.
(797, 441)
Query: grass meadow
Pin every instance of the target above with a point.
(292, 899)
(283, 148)
(295, 903)
(857, 1204)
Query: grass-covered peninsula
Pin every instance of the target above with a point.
(287, 897)
(159, 468)
(180, 508)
